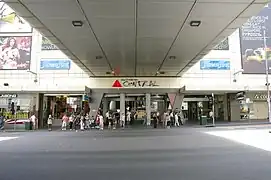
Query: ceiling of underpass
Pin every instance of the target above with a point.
(136, 37)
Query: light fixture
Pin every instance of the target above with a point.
(77, 23)
(195, 23)
(99, 57)
(160, 72)
(172, 57)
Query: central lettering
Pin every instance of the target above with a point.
(138, 83)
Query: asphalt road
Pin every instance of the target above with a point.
(185, 153)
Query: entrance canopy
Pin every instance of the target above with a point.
(136, 37)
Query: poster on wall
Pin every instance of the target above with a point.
(11, 22)
(252, 42)
(15, 52)
(47, 45)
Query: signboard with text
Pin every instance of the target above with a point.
(47, 45)
(214, 64)
(134, 83)
(51, 64)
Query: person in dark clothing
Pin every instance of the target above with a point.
(155, 120)
(2, 122)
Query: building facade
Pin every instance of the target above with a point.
(236, 64)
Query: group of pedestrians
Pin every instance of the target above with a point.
(77, 122)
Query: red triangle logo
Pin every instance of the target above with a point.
(117, 84)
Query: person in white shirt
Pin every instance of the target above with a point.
(168, 120)
(177, 120)
(50, 122)
(71, 120)
(87, 120)
(33, 121)
(107, 116)
(211, 114)
(82, 124)
(122, 120)
(101, 119)
(128, 117)
(171, 118)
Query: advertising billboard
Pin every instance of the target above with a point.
(253, 52)
(10, 22)
(15, 52)
(214, 64)
(47, 45)
(55, 64)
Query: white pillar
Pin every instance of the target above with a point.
(122, 103)
(148, 108)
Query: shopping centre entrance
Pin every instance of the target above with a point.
(136, 106)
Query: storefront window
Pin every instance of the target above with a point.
(16, 106)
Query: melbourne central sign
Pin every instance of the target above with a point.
(134, 83)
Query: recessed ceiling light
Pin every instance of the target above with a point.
(160, 72)
(195, 23)
(172, 57)
(77, 23)
(99, 57)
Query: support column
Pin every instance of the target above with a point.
(122, 103)
(148, 108)
(105, 106)
(225, 107)
(38, 109)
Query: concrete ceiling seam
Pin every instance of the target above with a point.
(176, 37)
(136, 33)
(189, 62)
(95, 36)
(22, 4)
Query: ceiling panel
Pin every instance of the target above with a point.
(110, 29)
(114, 27)
(191, 42)
(158, 24)
(151, 49)
(79, 40)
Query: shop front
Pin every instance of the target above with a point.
(58, 105)
(16, 108)
(259, 107)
